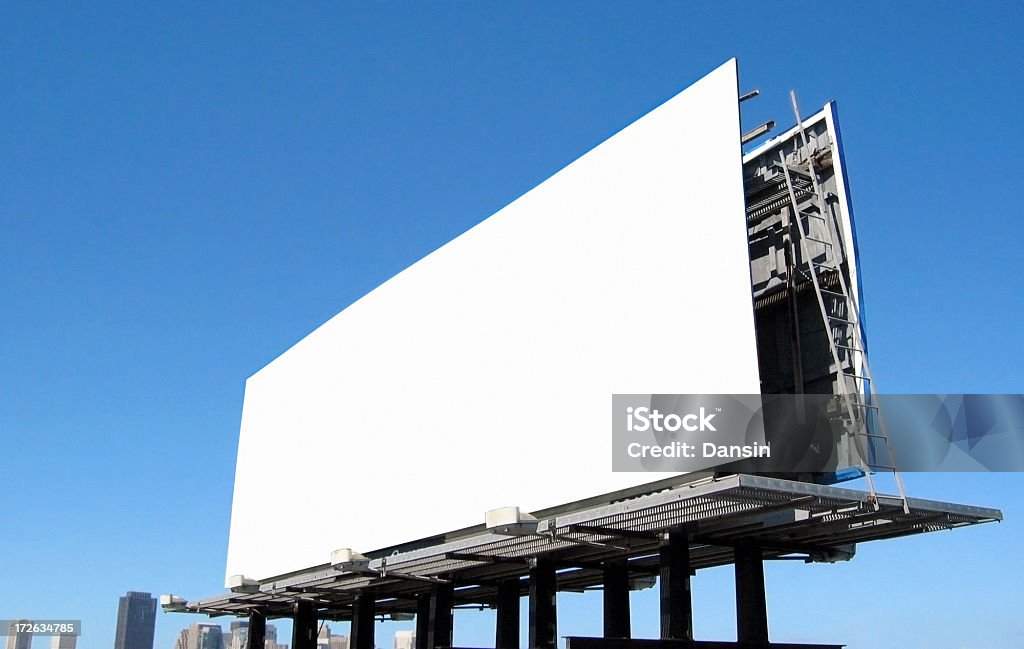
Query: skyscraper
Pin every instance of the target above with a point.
(235, 637)
(405, 639)
(63, 641)
(136, 621)
(18, 639)
(202, 636)
(270, 639)
(328, 640)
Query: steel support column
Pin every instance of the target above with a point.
(674, 582)
(506, 630)
(543, 616)
(423, 621)
(751, 606)
(304, 627)
(362, 631)
(256, 633)
(439, 632)
(616, 599)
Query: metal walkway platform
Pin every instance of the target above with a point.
(717, 516)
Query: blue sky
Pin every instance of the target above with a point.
(188, 189)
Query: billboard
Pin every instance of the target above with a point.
(482, 375)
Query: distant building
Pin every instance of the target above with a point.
(200, 636)
(182, 640)
(236, 635)
(63, 641)
(327, 640)
(270, 639)
(18, 639)
(405, 639)
(136, 621)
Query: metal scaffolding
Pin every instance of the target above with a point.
(738, 519)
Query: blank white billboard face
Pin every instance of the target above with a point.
(482, 375)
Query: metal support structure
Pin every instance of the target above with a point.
(757, 132)
(812, 272)
(439, 624)
(304, 626)
(789, 254)
(616, 599)
(674, 581)
(751, 604)
(256, 633)
(543, 616)
(423, 621)
(859, 382)
(506, 631)
(749, 95)
(576, 642)
(363, 612)
(705, 508)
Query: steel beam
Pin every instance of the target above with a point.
(614, 531)
(363, 612)
(304, 626)
(576, 642)
(616, 599)
(674, 581)
(543, 616)
(485, 558)
(757, 131)
(751, 605)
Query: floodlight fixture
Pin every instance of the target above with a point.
(642, 582)
(172, 603)
(510, 521)
(348, 560)
(242, 584)
(834, 554)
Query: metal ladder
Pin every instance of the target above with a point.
(842, 323)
